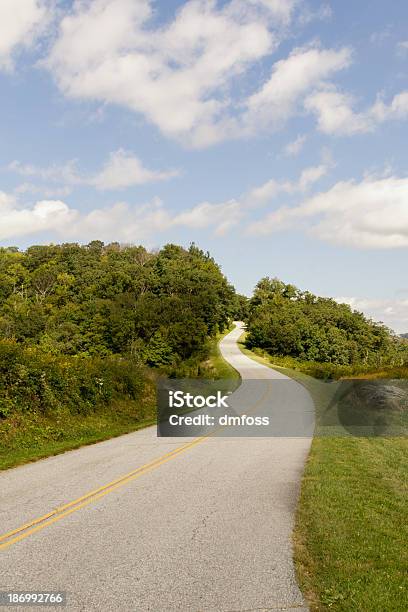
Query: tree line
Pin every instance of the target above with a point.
(79, 323)
(108, 300)
(285, 321)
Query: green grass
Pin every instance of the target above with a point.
(30, 436)
(351, 533)
(351, 526)
(328, 371)
(216, 366)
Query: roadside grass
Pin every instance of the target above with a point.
(30, 436)
(351, 531)
(216, 366)
(351, 534)
(327, 371)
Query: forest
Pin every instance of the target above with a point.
(108, 300)
(85, 330)
(287, 322)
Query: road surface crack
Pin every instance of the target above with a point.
(201, 526)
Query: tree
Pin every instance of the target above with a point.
(286, 321)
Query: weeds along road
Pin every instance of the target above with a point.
(147, 523)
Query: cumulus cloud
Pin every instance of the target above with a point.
(371, 214)
(123, 169)
(55, 173)
(336, 116)
(396, 109)
(392, 312)
(291, 78)
(223, 216)
(45, 191)
(263, 194)
(294, 148)
(119, 221)
(21, 22)
(321, 13)
(279, 8)
(130, 223)
(45, 215)
(181, 75)
(175, 75)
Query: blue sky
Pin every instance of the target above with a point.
(270, 132)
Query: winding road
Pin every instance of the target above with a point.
(143, 523)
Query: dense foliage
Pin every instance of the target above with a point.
(80, 327)
(110, 300)
(34, 381)
(288, 322)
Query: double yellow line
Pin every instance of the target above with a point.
(12, 537)
(16, 535)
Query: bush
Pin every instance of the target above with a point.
(34, 381)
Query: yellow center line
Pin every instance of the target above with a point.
(84, 500)
(22, 532)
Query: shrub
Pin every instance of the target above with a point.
(34, 381)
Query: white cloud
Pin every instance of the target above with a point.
(123, 169)
(117, 222)
(291, 78)
(130, 223)
(380, 37)
(120, 221)
(283, 9)
(223, 216)
(311, 175)
(392, 312)
(396, 109)
(271, 189)
(176, 75)
(293, 148)
(180, 76)
(402, 47)
(43, 216)
(21, 22)
(65, 173)
(45, 191)
(335, 114)
(372, 214)
(321, 13)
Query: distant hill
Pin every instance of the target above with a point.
(404, 336)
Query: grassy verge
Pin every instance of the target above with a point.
(216, 366)
(329, 371)
(29, 435)
(351, 525)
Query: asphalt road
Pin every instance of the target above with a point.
(174, 524)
